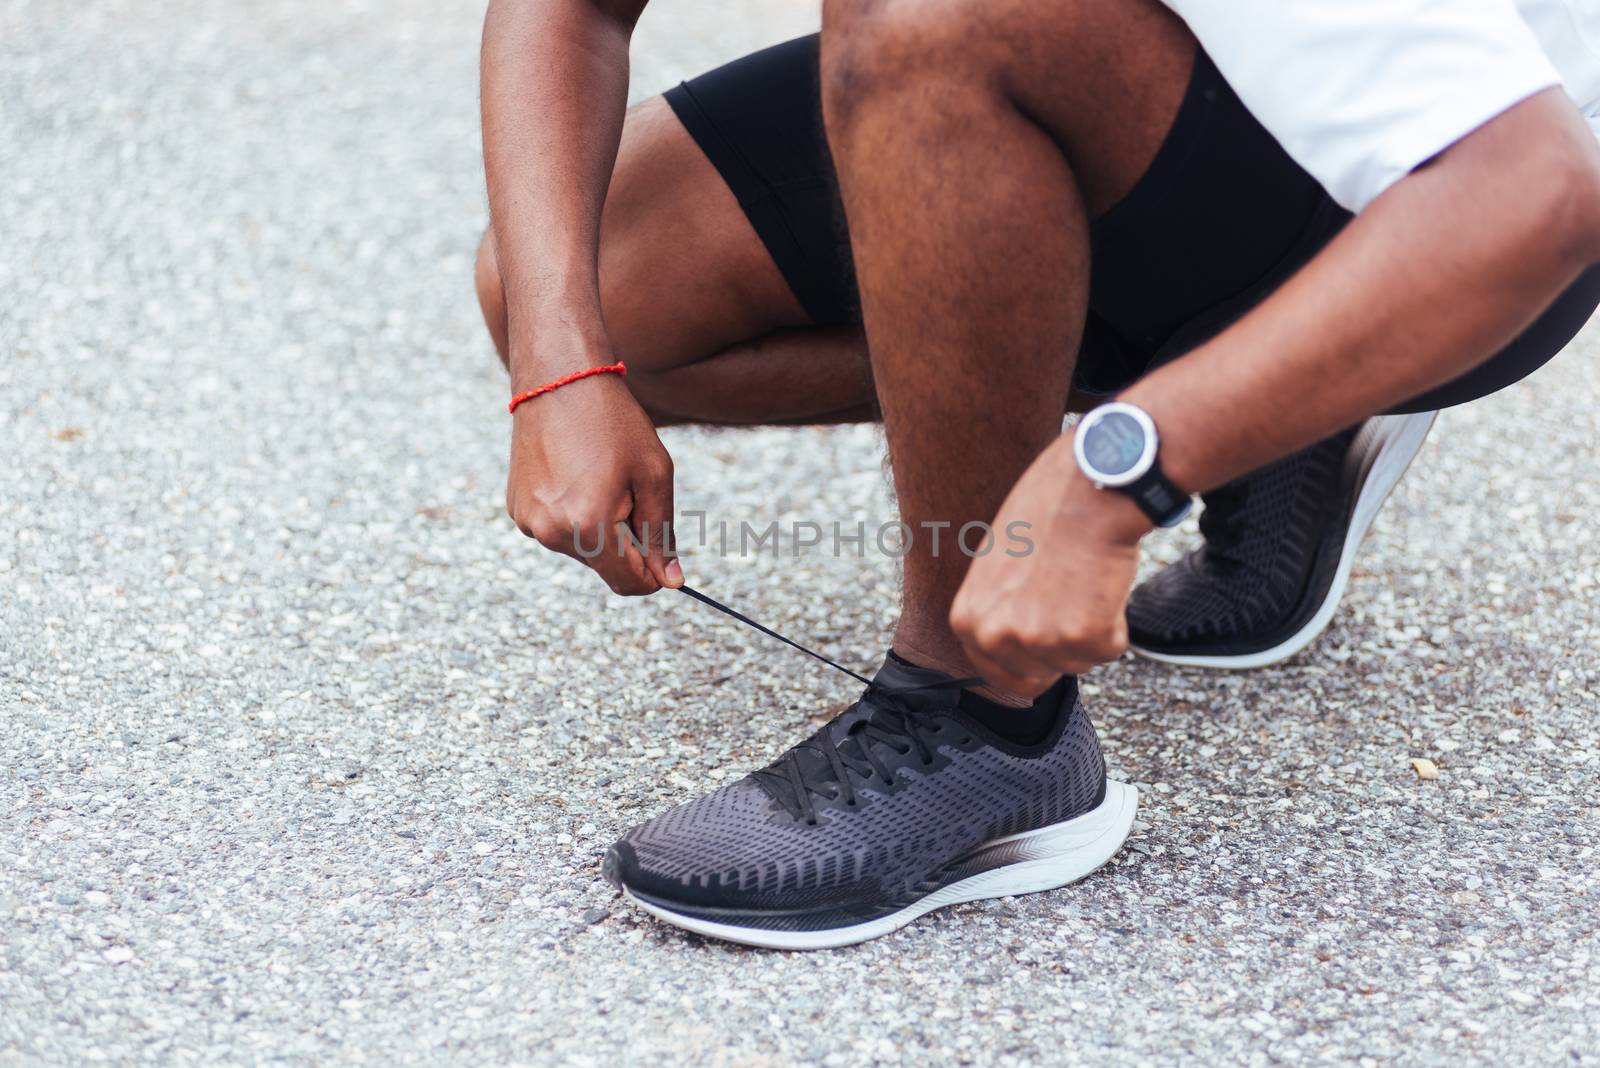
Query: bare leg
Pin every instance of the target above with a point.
(974, 141)
(693, 302)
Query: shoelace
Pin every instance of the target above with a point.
(891, 723)
(769, 632)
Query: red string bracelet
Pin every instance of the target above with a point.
(567, 380)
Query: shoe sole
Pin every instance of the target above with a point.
(1385, 446)
(1030, 862)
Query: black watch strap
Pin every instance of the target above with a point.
(1158, 498)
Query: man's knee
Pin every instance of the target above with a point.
(491, 293)
(659, 394)
(625, 287)
(623, 284)
(874, 47)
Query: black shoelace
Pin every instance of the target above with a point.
(793, 781)
(769, 632)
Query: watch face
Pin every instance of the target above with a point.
(1114, 444)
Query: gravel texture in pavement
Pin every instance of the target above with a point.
(306, 754)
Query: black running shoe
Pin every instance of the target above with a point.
(900, 805)
(1279, 545)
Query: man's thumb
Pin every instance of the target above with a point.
(652, 522)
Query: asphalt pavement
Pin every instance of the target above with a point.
(307, 756)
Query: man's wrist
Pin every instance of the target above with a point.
(1109, 514)
(1181, 455)
(594, 394)
(537, 358)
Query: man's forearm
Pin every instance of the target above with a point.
(554, 88)
(1439, 273)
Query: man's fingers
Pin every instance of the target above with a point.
(593, 533)
(1005, 676)
(612, 555)
(1007, 659)
(622, 565)
(1005, 664)
(651, 522)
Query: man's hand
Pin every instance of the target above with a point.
(589, 472)
(1025, 620)
(553, 89)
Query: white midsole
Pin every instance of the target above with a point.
(1402, 437)
(1059, 854)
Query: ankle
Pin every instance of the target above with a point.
(938, 653)
(951, 660)
(1019, 720)
(1026, 723)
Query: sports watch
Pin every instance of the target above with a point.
(1116, 446)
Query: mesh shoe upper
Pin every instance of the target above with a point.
(864, 844)
(1262, 536)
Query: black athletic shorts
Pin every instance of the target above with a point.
(1221, 218)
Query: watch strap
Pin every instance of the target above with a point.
(1158, 498)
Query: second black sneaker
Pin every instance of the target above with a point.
(900, 805)
(1279, 546)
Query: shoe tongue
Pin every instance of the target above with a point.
(934, 689)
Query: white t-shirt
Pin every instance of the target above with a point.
(1360, 92)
